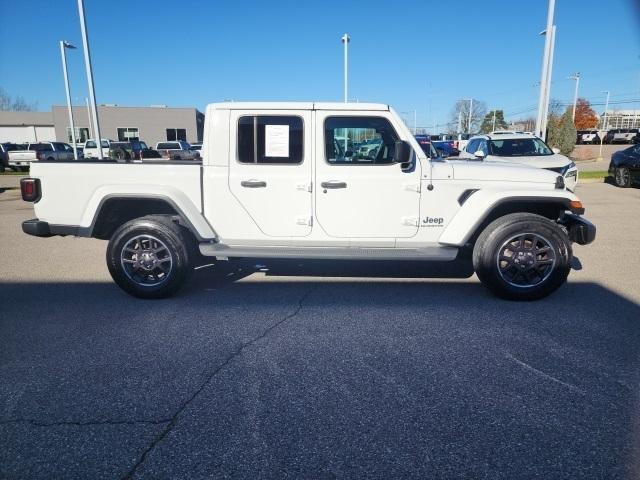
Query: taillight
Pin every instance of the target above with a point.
(30, 189)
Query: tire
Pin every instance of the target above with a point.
(166, 249)
(522, 256)
(120, 154)
(622, 177)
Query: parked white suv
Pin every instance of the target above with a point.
(522, 148)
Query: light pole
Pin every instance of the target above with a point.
(345, 39)
(493, 128)
(87, 63)
(86, 101)
(576, 77)
(470, 115)
(604, 123)
(546, 61)
(545, 115)
(63, 46)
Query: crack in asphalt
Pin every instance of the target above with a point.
(174, 419)
(37, 423)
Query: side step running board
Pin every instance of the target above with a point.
(436, 253)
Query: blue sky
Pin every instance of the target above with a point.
(421, 55)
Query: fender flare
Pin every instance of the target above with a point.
(189, 214)
(480, 205)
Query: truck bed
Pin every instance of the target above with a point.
(72, 191)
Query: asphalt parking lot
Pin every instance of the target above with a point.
(255, 374)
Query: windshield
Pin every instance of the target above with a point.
(519, 147)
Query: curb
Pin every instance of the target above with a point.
(591, 180)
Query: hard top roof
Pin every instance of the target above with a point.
(299, 106)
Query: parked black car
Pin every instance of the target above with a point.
(135, 149)
(625, 166)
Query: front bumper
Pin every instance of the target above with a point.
(580, 230)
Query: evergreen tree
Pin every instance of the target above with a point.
(562, 133)
(487, 122)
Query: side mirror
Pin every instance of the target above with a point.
(402, 152)
(479, 154)
(555, 150)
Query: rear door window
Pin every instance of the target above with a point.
(270, 139)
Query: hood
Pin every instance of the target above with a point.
(500, 171)
(542, 161)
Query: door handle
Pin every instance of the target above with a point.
(253, 183)
(333, 184)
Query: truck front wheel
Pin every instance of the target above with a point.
(522, 256)
(148, 257)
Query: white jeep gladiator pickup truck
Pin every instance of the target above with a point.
(274, 183)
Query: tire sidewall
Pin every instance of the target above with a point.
(624, 184)
(486, 265)
(178, 250)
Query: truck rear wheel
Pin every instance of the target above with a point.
(522, 256)
(149, 257)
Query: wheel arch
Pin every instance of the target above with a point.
(467, 225)
(116, 209)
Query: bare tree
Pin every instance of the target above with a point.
(16, 104)
(460, 114)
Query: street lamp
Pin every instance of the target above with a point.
(547, 59)
(87, 64)
(576, 77)
(63, 46)
(545, 114)
(346, 39)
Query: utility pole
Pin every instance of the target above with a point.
(545, 67)
(470, 114)
(63, 46)
(346, 39)
(604, 124)
(576, 77)
(493, 129)
(87, 63)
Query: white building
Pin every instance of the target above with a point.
(621, 119)
(25, 127)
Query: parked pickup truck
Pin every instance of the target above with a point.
(52, 151)
(177, 150)
(274, 183)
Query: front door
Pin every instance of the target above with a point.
(270, 171)
(360, 191)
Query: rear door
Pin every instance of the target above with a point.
(270, 169)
